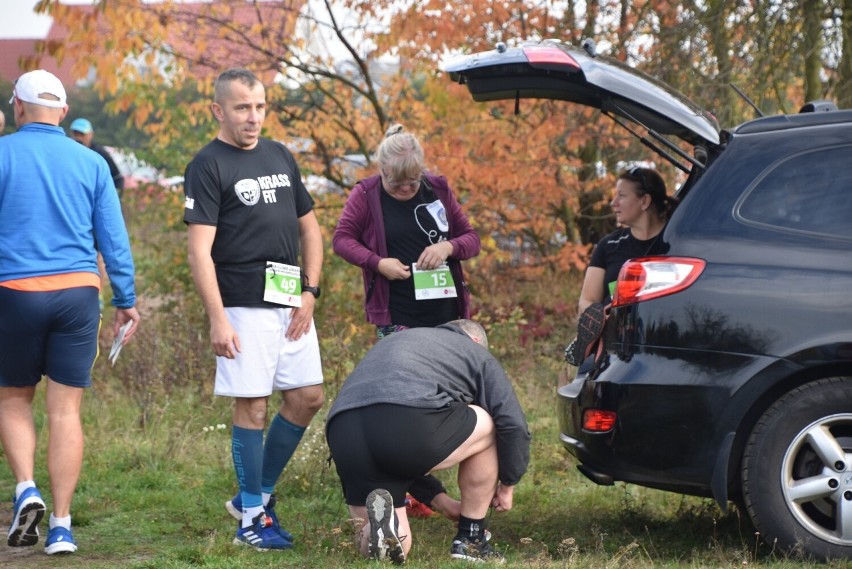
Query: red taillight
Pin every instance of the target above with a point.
(598, 420)
(653, 277)
(550, 57)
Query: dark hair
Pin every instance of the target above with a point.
(651, 183)
(225, 78)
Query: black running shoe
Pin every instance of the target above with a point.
(590, 327)
(384, 543)
(476, 550)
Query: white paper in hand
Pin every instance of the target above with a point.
(116, 345)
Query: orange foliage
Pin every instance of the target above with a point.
(530, 183)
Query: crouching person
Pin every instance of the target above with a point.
(422, 400)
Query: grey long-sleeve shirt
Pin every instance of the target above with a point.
(430, 367)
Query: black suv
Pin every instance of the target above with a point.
(727, 363)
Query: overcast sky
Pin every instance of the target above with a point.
(19, 21)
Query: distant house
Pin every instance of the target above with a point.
(15, 53)
(19, 55)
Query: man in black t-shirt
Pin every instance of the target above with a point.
(251, 222)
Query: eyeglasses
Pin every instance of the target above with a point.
(396, 185)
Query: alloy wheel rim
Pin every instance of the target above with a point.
(817, 478)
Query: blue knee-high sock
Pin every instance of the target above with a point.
(247, 450)
(281, 442)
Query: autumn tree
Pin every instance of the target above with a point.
(842, 17)
(535, 182)
(779, 54)
(522, 176)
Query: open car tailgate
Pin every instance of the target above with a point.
(553, 70)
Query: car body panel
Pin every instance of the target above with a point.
(599, 82)
(771, 307)
(670, 434)
(738, 385)
(687, 372)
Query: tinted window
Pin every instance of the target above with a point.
(809, 192)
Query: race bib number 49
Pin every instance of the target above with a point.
(283, 284)
(430, 285)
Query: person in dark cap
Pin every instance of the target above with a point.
(60, 209)
(82, 132)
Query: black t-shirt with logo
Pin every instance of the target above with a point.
(410, 227)
(615, 249)
(254, 198)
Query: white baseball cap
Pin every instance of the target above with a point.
(31, 85)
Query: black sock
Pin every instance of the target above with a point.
(472, 530)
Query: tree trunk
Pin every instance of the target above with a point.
(844, 66)
(812, 45)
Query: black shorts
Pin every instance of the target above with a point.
(51, 333)
(389, 446)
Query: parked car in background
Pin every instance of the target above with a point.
(727, 363)
(139, 173)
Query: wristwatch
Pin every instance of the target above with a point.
(314, 290)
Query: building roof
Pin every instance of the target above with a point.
(203, 18)
(16, 57)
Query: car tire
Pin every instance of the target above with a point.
(797, 471)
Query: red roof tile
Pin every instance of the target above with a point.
(13, 60)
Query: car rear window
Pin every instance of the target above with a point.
(810, 192)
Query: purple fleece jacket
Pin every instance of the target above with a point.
(360, 239)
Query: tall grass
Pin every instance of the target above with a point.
(158, 470)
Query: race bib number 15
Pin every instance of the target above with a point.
(283, 284)
(437, 283)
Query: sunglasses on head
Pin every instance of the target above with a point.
(638, 172)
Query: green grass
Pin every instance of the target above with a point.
(153, 497)
(158, 470)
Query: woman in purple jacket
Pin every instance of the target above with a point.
(395, 222)
(401, 217)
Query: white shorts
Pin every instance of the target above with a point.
(268, 361)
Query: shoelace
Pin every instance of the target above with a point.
(570, 355)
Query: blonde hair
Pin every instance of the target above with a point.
(400, 155)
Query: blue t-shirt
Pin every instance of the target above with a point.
(57, 201)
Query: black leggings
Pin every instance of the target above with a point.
(389, 446)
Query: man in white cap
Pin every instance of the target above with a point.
(82, 131)
(59, 201)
